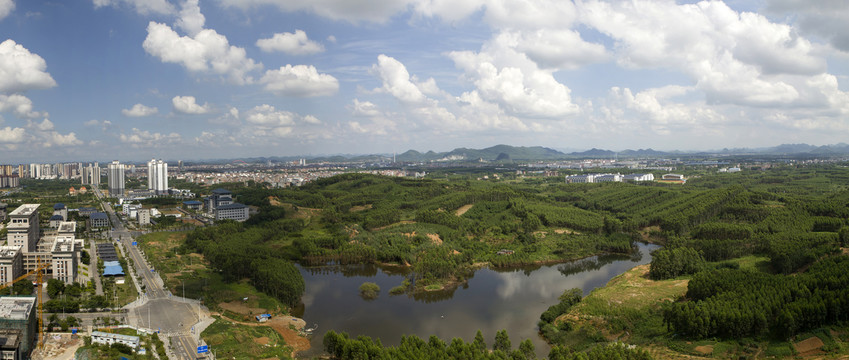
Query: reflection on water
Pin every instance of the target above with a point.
(490, 300)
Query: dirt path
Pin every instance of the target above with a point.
(462, 210)
(395, 224)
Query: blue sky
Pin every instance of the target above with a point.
(197, 79)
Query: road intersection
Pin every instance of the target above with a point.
(178, 320)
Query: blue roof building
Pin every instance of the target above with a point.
(112, 268)
(98, 220)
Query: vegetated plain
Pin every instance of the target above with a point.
(751, 264)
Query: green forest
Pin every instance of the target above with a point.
(794, 216)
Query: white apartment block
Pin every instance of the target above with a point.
(23, 228)
(11, 264)
(157, 176)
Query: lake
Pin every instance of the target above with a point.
(491, 300)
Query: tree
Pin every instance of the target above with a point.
(479, 345)
(55, 287)
(526, 347)
(23, 287)
(502, 341)
(369, 290)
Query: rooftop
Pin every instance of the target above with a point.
(192, 202)
(10, 338)
(130, 338)
(57, 217)
(63, 244)
(16, 307)
(25, 210)
(9, 251)
(99, 216)
(68, 227)
(59, 206)
(221, 191)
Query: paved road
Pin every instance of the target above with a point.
(159, 311)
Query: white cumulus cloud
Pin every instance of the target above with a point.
(396, 80)
(139, 110)
(20, 105)
(191, 20)
(10, 137)
(6, 7)
(503, 75)
(290, 43)
(734, 57)
(206, 51)
(21, 70)
(189, 105)
(267, 116)
(143, 138)
(300, 81)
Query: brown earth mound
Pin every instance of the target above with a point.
(808, 345)
(704, 349)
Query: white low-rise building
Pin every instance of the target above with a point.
(580, 179)
(639, 177)
(100, 337)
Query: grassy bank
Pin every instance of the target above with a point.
(628, 309)
(235, 341)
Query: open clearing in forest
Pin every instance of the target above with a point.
(462, 210)
(811, 344)
(624, 295)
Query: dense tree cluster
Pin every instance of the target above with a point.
(238, 251)
(667, 263)
(734, 303)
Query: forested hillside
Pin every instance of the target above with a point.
(795, 218)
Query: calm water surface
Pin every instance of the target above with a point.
(490, 301)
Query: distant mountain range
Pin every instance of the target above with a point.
(507, 153)
(495, 153)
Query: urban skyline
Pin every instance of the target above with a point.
(228, 79)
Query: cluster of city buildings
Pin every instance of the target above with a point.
(28, 247)
(599, 178)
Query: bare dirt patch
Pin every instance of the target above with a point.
(808, 345)
(360, 208)
(395, 224)
(62, 348)
(565, 231)
(462, 210)
(435, 239)
(704, 349)
(262, 340)
(241, 307)
(274, 201)
(845, 251)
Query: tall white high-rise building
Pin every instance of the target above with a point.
(91, 174)
(157, 176)
(94, 173)
(116, 178)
